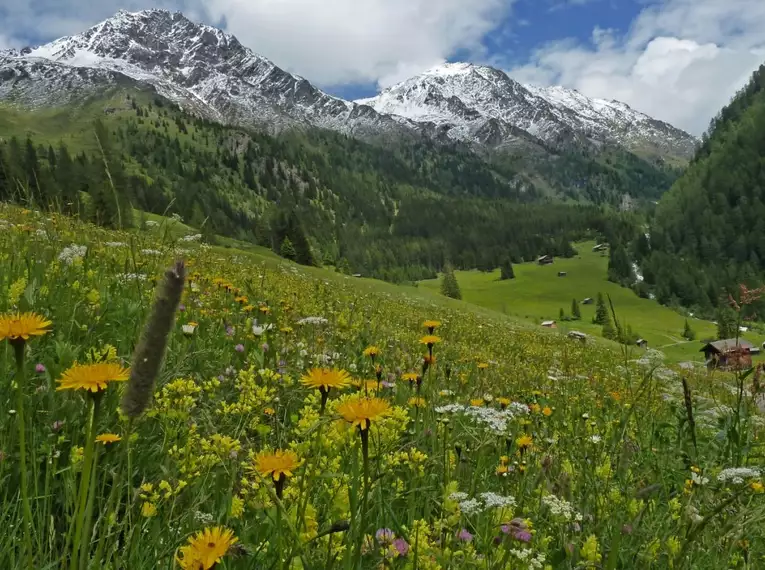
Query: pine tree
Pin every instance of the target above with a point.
(506, 270)
(688, 332)
(449, 285)
(575, 312)
(287, 250)
(608, 331)
(601, 311)
(726, 323)
(561, 315)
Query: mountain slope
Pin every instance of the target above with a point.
(471, 102)
(199, 67)
(579, 152)
(709, 230)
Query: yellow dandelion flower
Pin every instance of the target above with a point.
(757, 486)
(483, 365)
(23, 326)
(366, 385)
(269, 411)
(547, 411)
(277, 465)
(431, 325)
(417, 402)
(503, 402)
(535, 408)
(148, 509)
(524, 442)
(360, 411)
(107, 438)
(92, 377)
(206, 548)
(410, 376)
(430, 340)
(324, 379)
(476, 402)
(371, 351)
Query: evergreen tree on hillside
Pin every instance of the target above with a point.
(601, 311)
(608, 330)
(287, 250)
(726, 323)
(576, 314)
(619, 266)
(688, 332)
(506, 270)
(449, 285)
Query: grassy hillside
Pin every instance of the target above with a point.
(538, 294)
(490, 444)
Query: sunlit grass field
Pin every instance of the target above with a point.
(537, 294)
(281, 417)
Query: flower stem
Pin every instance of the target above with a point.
(87, 467)
(18, 346)
(364, 496)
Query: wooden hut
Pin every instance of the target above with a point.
(728, 354)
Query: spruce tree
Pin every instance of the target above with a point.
(449, 285)
(287, 250)
(726, 323)
(575, 312)
(506, 270)
(601, 311)
(561, 315)
(608, 331)
(688, 332)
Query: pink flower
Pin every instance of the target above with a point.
(464, 535)
(401, 546)
(239, 348)
(40, 368)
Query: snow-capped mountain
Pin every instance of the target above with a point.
(210, 73)
(464, 99)
(197, 66)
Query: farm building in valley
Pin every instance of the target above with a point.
(545, 260)
(550, 324)
(728, 354)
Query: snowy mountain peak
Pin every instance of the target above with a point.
(212, 74)
(467, 97)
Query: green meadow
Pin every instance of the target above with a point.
(537, 294)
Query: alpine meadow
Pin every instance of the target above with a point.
(464, 323)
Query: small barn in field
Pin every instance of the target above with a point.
(545, 260)
(728, 354)
(550, 324)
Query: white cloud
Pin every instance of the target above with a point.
(330, 42)
(681, 61)
(343, 41)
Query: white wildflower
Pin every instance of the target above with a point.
(471, 507)
(495, 501)
(192, 237)
(560, 508)
(458, 496)
(313, 321)
(151, 252)
(595, 438)
(115, 244)
(72, 253)
(737, 475)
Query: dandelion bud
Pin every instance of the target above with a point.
(148, 355)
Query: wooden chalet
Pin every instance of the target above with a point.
(728, 354)
(545, 260)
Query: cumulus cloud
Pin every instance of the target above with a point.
(344, 41)
(330, 42)
(681, 61)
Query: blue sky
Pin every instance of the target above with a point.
(531, 24)
(677, 60)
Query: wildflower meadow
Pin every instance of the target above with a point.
(169, 404)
